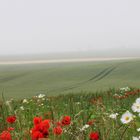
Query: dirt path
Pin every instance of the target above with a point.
(64, 60)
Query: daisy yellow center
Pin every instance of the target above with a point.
(126, 118)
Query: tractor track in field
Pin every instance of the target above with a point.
(95, 78)
(106, 74)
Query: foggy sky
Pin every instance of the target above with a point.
(42, 26)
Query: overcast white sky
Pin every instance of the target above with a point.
(42, 26)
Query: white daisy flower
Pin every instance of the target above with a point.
(22, 108)
(138, 129)
(138, 100)
(7, 102)
(84, 127)
(125, 89)
(41, 95)
(136, 138)
(41, 104)
(77, 103)
(126, 117)
(25, 101)
(136, 107)
(113, 116)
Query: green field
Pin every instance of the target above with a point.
(26, 80)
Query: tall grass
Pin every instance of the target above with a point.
(89, 108)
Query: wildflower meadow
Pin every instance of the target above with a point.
(110, 115)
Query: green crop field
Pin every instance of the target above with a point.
(26, 80)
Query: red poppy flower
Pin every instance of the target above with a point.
(45, 124)
(36, 135)
(94, 136)
(37, 120)
(57, 130)
(10, 128)
(5, 135)
(66, 120)
(11, 119)
(40, 129)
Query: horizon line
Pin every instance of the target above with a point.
(67, 60)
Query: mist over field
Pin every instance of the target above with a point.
(123, 52)
(59, 29)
